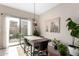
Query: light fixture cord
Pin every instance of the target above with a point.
(34, 11)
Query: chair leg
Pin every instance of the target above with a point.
(31, 50)
(42, 53)
(24, 48)
(46, 52)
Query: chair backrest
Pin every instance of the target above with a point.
(43, 45)
(26, 42)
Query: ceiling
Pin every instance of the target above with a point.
(29, 7)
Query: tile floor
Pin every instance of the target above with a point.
(11, 51)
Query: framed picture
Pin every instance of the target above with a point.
(55, 25)
(47, 28)
(47, 25)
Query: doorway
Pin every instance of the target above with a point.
(15, 27)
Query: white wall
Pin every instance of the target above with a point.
(63, 11)
(0, 34)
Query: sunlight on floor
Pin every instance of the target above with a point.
(11, 51)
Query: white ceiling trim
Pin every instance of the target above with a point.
(29, 7)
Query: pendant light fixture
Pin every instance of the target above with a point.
(35, 23)
(34, 19)
(36, 32)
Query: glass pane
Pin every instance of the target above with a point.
(13, 30)
(24, 26)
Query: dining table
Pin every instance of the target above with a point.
(33, 40)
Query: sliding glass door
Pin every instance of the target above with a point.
(13, 29)
(17, 27)
(23, 30)
(24, 27)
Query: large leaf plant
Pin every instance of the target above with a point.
(73, 27)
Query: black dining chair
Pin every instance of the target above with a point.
(28, 46)
(42, 48)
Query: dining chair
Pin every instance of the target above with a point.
(42, 48)
(28, 46)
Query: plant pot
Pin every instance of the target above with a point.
(55, 47)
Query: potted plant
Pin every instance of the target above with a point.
(73, 28)
(56, 43)
(36, 33)
(63, 49)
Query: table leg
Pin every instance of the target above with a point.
(24, 48)
(31, 50)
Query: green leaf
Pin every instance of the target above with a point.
(68, 19)
(74, 27)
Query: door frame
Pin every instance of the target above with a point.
(7, 25)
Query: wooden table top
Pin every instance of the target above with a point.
(31, 38)
(35, 39)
